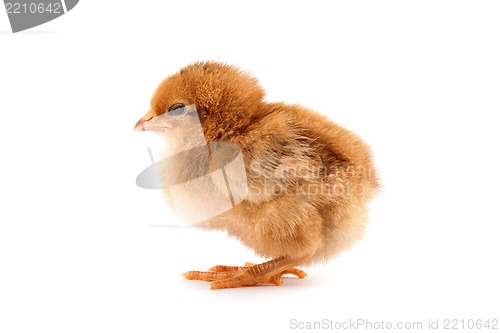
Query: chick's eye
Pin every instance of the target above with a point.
(177, 110)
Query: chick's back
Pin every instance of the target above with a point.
(309, 180)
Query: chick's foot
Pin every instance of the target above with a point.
(269, 272)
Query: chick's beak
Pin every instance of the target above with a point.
(141, 124)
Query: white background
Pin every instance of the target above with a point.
(79, 250)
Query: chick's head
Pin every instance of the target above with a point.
(225, 98)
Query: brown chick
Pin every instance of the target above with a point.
(309, 179)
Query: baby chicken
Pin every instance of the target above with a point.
(309, 179)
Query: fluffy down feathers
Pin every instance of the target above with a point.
(309, 179)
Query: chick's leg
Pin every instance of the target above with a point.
(221, 268)
(269, 272)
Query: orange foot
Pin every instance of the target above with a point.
(269, 272)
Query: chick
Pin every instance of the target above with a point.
(309, 179)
